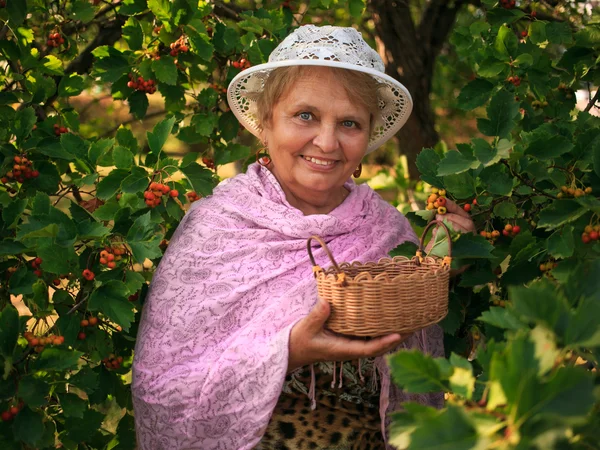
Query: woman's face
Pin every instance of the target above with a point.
(316, 137)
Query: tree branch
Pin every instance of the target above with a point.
(593, 101)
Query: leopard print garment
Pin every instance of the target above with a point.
(346, 417)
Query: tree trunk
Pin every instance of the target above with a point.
(409, 51)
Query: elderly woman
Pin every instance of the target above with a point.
(233, 323)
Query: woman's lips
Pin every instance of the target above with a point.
(318, 163)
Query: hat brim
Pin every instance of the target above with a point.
(395, 102)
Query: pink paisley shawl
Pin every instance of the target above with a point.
(212, 347)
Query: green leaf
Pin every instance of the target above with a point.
(461, 185)
(451, 429)
(23, 123)
(138, 104)
(29, 425)
(13, 212)
(199, 177)
(416, 372)
(501, 115)
(144, 238)
(17, 11)
(111, 300)
(501, 318)
(161, 9)
(584, 324)
(8, 247)
(462, 381)
(455, 162)
(231, 153)
(110, 184)
(122, 157)
(159, 135)
(51, 65)
(69, 326)
(506, 42)
(561, 244)
(523, 60)
(559, 33)
(136, 182)
(537, 32)
(111, 64)
(228, 126)
(472, 246)
(427, 163)
(497, 181)
(165, 70)
(71, 85)
(33, 391)
(559, 213)
(57, 359)
(73, 405)
(356, 8)
(133, 34)
(549, 147)
(200, 44)
(505, 210)
(407, 249)
(475, 94)
(83, 11)
(540, 303)
(9, 330)
(133, 7)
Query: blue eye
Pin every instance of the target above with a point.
(305, 115)
(349, 124)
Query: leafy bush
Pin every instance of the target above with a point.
(523, 333)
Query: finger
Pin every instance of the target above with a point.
(316, 318)
(459, 223)
(452, 207)
(344, 349)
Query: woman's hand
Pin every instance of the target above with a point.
(460, 219)
(310, 342)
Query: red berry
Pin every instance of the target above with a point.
(38, 272)
(6, 416)
(38, 260)
(505, 232)
(81, 336)
(88, 274)
(14, 410)
(174, 193)
(516, 229)
(594, 235)
(111, 265)
(467, 207)
(93, 321)
(524, 33)
(585, 238)
(35, 173)
(84, 323)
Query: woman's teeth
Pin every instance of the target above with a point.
(319, 161)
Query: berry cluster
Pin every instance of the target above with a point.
(21, 171)
(218, 88)
(38, 343)
(11, 412)
(179, 46)
(511, 230)
(515, 80)
(113, 362)
(591, 233)
(508, 4)
(139, 84)
(192, 196)
(88, 274)
(155, 191)
(490, 235)
(55, 40)
(110, 256)
(209, 163)
(545, 267)
(497, 301)
(89, 322)
(468, 206)
(35, 264)
(243, 63)
(437, 200)
(58, 130)
(574, 192)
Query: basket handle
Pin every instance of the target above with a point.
(439, 223)
(324, 246)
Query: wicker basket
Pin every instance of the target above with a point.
(393, 295)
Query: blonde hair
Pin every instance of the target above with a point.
(358, 86)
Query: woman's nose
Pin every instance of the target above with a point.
(326, 138)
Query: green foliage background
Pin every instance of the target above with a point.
(523, 344)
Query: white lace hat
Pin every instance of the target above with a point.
(327, 46)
